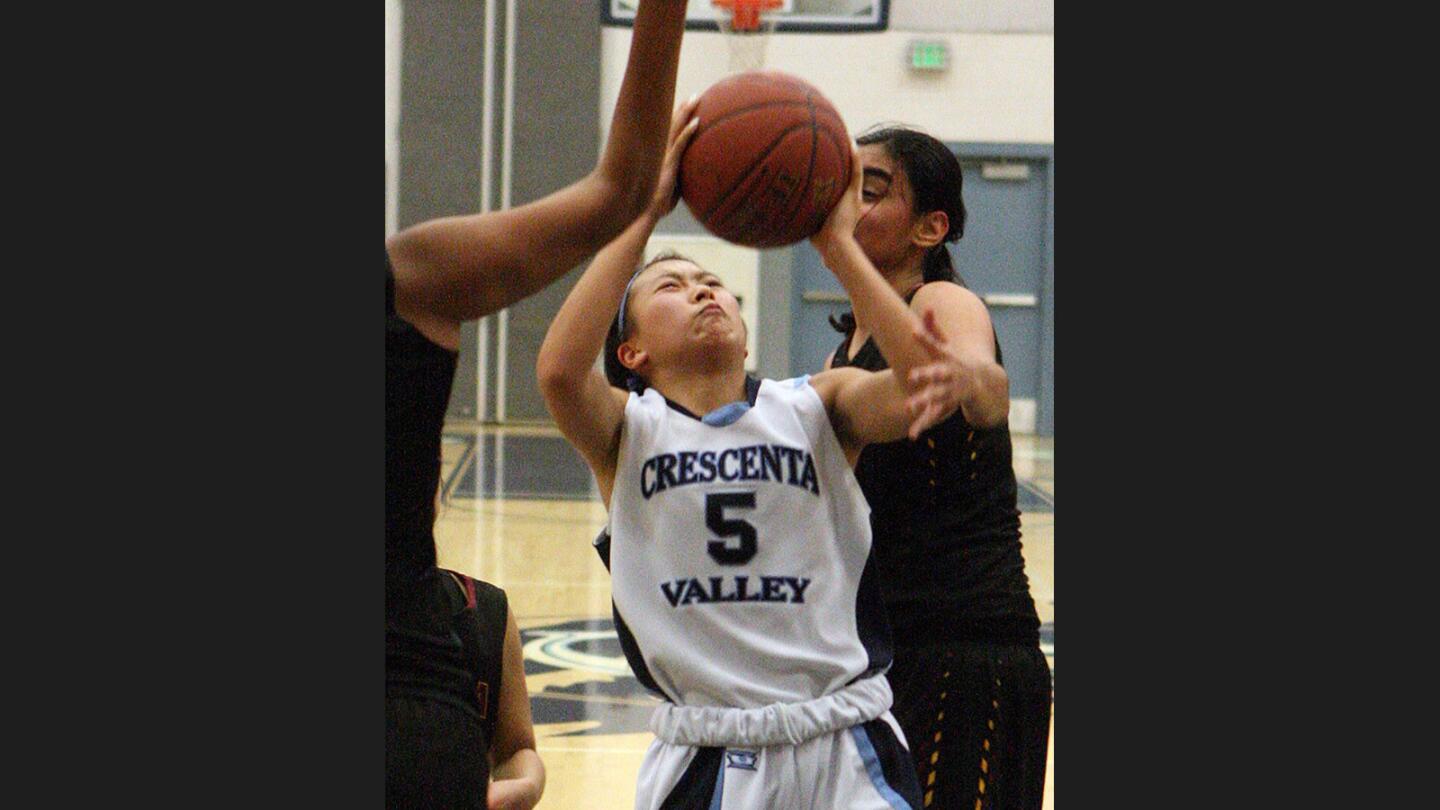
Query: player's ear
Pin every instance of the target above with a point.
(631, 356)
(930, 229)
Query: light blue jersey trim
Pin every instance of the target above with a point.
(726, 414)
(872, 767)
(799, 382)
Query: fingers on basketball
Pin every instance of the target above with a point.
(769, 162)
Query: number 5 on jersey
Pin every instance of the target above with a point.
(715, 506)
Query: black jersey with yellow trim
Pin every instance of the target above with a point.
(946, 528)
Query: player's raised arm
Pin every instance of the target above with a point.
(879, 407)
(586, 408)
(460, 268)
(874, 301)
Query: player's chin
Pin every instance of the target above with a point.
(711, 327)
(721, 344)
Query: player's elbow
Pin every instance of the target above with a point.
(394, 249)
(556, 381)
(413, 255)
(548, 376)
(402, 244)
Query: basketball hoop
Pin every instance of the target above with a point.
(746, 26)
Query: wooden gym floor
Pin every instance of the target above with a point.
(520, 509)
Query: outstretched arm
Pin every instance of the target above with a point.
(586, 408)
(456, 269)
(868, 407)
(919, 388)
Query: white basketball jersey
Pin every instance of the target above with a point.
(737, 545)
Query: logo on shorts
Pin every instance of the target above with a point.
(744, 760)
(482, 694)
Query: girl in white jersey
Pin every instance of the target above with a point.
(738, 536)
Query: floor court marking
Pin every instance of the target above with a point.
(1034, 455)
(1036, 491)
(648, 704)
(447, 491)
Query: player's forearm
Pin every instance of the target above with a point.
(577, 334)
(466, 267)
(872, 409)
(988, 401)
(526, 773)
(630, 163)
(891, 418)
(877, 306)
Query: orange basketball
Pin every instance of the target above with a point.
(769, 161)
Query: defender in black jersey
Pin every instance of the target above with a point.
(452, 650)
(458, 728)
(972, 688)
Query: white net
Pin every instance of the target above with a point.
(747, 47)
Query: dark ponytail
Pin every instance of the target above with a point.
(936, 181)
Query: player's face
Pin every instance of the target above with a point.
(678, 305)
(887, 218)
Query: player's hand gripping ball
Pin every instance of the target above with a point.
(769, 161)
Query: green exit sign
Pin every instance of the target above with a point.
(929, 55)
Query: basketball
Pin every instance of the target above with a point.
(769, 161)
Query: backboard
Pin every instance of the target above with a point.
(814, 16)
